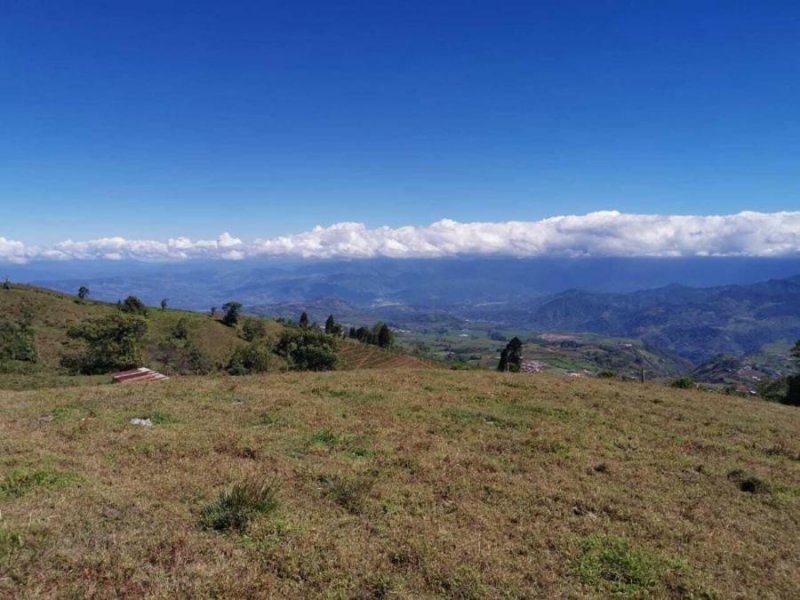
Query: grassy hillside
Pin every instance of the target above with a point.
(398, 484)
(52, 313)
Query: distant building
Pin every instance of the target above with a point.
(140, 375)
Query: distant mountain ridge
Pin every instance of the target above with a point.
(695, 323)
(696, 308)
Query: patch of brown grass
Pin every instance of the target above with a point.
(399, 483)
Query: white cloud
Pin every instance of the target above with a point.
(14, 251)
(606, 233)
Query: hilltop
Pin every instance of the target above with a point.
(397, 483)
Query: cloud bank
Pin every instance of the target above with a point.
(598, 234)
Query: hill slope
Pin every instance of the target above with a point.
(52, 313)
(400, 483)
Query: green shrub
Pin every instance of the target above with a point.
(792, 396)
(683, 383)
(253, 358)
(16, 342)
(182, 356)
(234, 508)
(307, 350)
(110, 343)
(254, 329)
(134, 306)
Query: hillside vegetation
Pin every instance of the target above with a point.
(49, 316)
(397, 484)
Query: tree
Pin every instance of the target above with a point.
(7, 284)
(502, 366)
(231, 316)
(511, 356)
(364, 335)
(83, 291)
(307, 350)
(134, 306)
(164, 303)
(304, 320)
(254, 329)
(793, 382)
(181, 329)
(385, 337)
(330, 325)
(212, 311)
(109, 343)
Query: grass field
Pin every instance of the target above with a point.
(397, 484)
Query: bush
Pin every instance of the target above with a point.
(234, 508)
(307, 350)
(180, 331)
(134, 306)
(16, 342)
(111, 344)
(683, 383)
(254, 329)
(792, 391)
(181, 356)
(253, 358)
(231, 316)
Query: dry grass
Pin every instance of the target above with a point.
(356, 355)
(398, 484)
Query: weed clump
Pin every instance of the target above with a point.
(234, 508)
(350, 494)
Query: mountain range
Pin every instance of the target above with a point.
(695, 308)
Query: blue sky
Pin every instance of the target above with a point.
(160, 119)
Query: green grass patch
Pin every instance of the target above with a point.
(236, 507)
(23, 481)
(67, 413)
(611, 565)
(161, 418)
(266, 419)
(522, 409)
(351, 444)
(343, 394)
(10, 542)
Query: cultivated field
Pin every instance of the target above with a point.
(397, 484)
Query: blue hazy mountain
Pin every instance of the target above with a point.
(363, 283)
